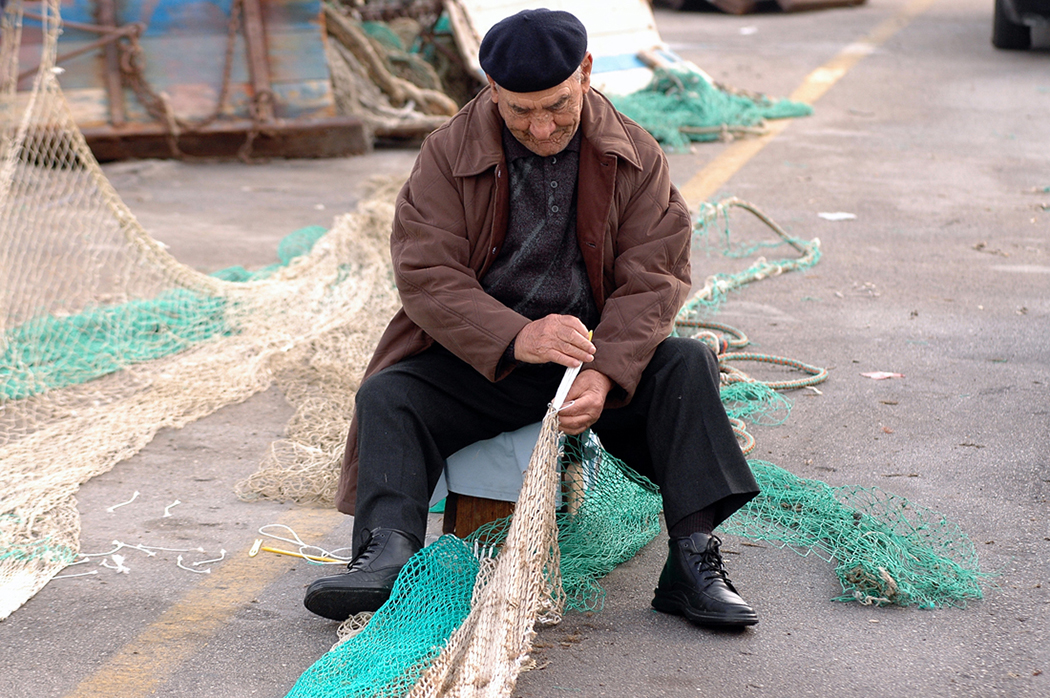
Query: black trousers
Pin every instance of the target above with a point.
(675, 432)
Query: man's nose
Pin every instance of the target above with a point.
(542, 128)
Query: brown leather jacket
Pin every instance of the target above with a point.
(450, 221)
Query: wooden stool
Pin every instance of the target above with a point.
(465, 514)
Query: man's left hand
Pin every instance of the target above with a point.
(587, 396)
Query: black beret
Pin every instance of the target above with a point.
(533, 50)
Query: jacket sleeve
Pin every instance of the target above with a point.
(432, 256)
(651, 274)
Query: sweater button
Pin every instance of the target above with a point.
(493, 250)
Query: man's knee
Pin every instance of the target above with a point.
(688, 360)
(688, 356)
(382, 390)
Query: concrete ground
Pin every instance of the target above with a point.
(939, 144)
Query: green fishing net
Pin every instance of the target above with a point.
(430, 600)
(607, 514)
(54, 351)
(681, 105)
(886, 550)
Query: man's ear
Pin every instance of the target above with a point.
(585, 68)
(495, 90)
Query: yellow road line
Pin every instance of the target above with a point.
(709, 180)
(145, 663)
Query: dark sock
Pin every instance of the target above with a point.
(702, 521)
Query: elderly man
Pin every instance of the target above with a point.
(534, 215)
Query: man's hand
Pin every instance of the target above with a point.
(561, 339)
(585, 401)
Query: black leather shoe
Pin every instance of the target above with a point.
(369, 578)
(694, 584)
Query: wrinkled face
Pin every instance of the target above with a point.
(545, 121)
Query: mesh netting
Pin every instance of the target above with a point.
(755, 402)
(522, 587)
(717, 287)
(604, 514)
(55, 351)
(681, 105)
(385, 660)
(886, 550)
(105, 339)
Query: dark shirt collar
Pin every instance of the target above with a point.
(514, 149)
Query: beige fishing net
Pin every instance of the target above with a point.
(106, 339)
(521, 587)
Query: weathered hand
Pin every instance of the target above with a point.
(561, 339)
(587, 398)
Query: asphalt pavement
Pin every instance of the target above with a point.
(938, 144)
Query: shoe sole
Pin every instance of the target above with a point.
(340, 604)
(679, 606)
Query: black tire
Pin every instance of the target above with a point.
(1006, 34)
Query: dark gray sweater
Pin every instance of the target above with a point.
(540, 270)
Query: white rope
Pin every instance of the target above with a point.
(222, 556)
(178, 563)
(117, 506)
(305, 548)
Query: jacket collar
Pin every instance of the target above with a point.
(481, 127)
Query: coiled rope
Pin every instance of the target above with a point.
(721, 337)
(735, 375)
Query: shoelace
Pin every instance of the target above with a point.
(710, 559)
(370, 551)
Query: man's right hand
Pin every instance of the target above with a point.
(561, 339)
